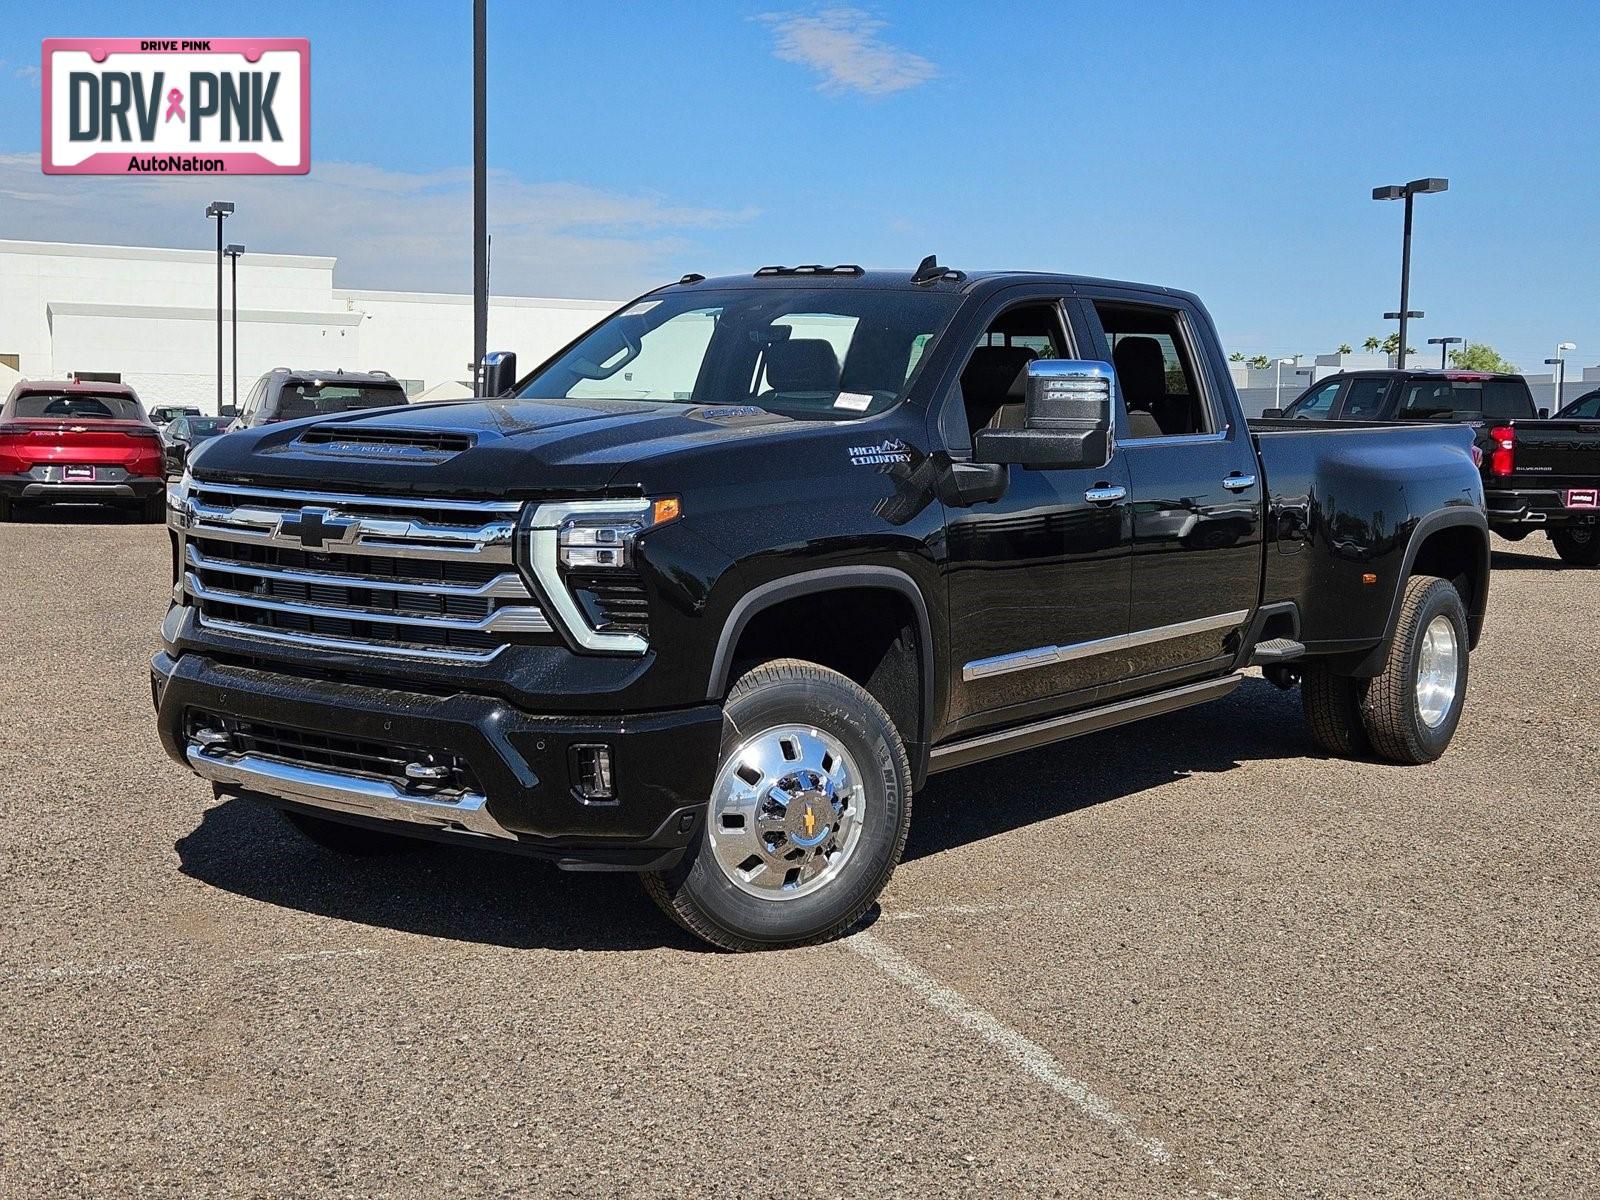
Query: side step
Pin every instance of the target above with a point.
(1056, 729)
(1276, 650)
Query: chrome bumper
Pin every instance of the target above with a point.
(343, 792)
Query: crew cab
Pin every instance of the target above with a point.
(711, 592)
(65, 441)
(1539, 474)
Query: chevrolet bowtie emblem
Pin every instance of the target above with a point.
(811, 821)
(315, 527)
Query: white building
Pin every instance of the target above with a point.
(148, 318)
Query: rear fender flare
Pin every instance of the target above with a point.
(1448, 518)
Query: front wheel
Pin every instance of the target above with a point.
(807, 818)
(1579, 545)
(1411, 709)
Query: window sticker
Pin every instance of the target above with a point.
(853, 401)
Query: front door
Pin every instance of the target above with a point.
(1195, 491)
(1037, 580)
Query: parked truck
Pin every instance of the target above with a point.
(709, 594)
(1539, 474)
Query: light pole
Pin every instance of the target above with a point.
(1417, 187)
(480, 192)
(1444, 345)
(1277, 381)
(233, 250)
(220, 209)
(1559, 362)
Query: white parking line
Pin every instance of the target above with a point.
(1029, 1055)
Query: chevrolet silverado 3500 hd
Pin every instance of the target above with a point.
(709, 594)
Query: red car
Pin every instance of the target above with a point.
(91, 442)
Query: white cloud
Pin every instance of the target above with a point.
(843, 46)
(28, 74)
(389, 229)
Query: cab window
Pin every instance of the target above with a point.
(1317, 404)
(1157, 370)
(1364, 400)
(995, 379)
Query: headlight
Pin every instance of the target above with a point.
(178, 500)
(599, 541)
(591, 537)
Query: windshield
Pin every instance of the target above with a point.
(201, 428)
(319, 399)
(78, 406)
(1466, 399)
(824, 353)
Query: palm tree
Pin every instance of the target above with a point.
(1372, 345)
(1344, 347)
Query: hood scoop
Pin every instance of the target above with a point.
(368, 441)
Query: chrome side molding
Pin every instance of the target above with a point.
(1046, 656)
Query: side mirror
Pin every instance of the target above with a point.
(228, 410)
(1068, 423)
(1272, 412)
(497, 373)
(1544, 414)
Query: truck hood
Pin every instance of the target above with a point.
(489, 448)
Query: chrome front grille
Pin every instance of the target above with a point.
(418, 578)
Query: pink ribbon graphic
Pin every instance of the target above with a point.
(175, 106)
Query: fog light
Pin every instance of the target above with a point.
(591, 772)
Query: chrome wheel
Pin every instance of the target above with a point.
(786, 812)
(1438, 671)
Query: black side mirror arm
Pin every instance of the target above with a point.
(967, 483)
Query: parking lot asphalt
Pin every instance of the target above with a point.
(1188, 957)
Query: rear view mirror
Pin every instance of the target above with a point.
(497, 373)
(1068, 422)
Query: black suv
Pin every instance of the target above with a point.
(285, 395)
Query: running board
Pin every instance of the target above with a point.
(1056, 729)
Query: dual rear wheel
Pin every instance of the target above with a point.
(1409, 711)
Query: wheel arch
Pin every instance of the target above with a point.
(815, 584)
(1452, 543)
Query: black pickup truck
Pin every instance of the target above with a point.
(711, 592)
(1538, 473)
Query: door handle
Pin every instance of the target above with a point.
(1105, 495)
(1238, 483)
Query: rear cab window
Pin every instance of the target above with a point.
(1466, 400)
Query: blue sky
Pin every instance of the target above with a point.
(1226, 148)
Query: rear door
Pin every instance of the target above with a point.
(1197, 496)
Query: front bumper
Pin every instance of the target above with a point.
(53, 489)
(1534, 508)
(514, 768)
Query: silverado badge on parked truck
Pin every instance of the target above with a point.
(599, 626)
